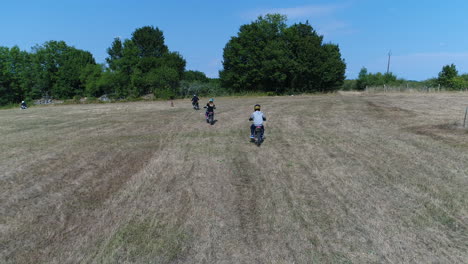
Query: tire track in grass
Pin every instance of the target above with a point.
(245, 185)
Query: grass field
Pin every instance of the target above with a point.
(344, 178)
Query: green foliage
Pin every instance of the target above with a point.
(366, 79)
(136, 66)
(115, 54)
(76, 98)
(349, 85)
(16, 76)
(362, 81)
(149, 42)
(58, 68)
(212, 87)
(144, 64)
(192, 76)
(164, 80)
(458, 83)
(91, 77)
(450, 79)
(267, 55)
(446, 76)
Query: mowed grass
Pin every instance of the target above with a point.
(342, 178)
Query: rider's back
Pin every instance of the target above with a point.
(258, 118)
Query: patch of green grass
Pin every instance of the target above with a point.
(440, 215)
(145, 241)
(433, 215)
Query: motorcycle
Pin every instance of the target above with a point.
(258, 135)
(24, 107)
(210, 118)
(195, 106)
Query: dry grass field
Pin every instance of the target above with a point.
(344, 178)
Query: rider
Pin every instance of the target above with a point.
(195, 100)
(210, 106)
(23, 105)
(257, 117)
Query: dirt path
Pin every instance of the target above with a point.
(344, 178)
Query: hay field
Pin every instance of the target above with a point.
(343, 178)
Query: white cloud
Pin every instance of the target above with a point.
(331, 28)
(322, 17)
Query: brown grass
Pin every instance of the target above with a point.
(346, 178)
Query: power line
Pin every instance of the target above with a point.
(388, 64)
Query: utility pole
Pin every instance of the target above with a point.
(388, 64)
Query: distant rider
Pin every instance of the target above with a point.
(210, 106)
(257, 117)
(23, 105)
(195, 100)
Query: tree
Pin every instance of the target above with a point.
(332, 68)
(362, 81)
(91, 77)
(58, 69)
(195, 76)
(267, 55)
(149, 42)
(458, 83)
(115, 54)
(144, 64)
(14, 75)
(446, 76)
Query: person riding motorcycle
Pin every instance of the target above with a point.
(257, 117)
(210, 106)
(195, 100)
(23, 105)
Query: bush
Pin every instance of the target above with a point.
(165, 94)
(76, 99)
(349, 85)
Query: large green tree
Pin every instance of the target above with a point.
(144, 64)
(58, 68)
(15, 75)
(267, 55)
(447, 76)
(149, 42)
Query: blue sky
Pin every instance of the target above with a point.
(423, 36)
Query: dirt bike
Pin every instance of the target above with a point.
(24, 107)
(210, 118)
(258, 135)
(195, 106)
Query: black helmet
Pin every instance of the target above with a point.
(257, 107)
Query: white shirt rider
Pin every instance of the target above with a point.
(258, 118)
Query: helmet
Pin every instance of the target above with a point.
(257, 107)
(22, 102)
(211, 100)
(194, 95)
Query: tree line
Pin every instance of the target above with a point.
(265, 56)
(448, 78)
